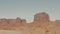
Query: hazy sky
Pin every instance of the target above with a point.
(27, 8)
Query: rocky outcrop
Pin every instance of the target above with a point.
(16, 21)
(23, 21)
(11, 21)
(3, 21)
(41, 17)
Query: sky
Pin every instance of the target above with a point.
(26, 9)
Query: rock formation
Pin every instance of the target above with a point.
(57, 23)
(3, 21)
(41, 17)
(23, 21)
(40, 25)
(16, 21)
(12, 21)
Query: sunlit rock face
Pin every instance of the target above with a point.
(41, 17)
(57, 23)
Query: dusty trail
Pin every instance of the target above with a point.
(10, 32)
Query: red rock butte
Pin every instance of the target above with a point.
(40, 25)
(16, 21)
(40, 17)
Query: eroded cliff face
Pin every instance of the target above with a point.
(40, 25)
(41, 17)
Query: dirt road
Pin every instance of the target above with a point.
(10, 32)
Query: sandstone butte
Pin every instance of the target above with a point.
(40, 25)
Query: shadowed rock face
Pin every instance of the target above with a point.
(41, 17)
(23, 21)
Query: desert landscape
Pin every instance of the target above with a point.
(40, 25)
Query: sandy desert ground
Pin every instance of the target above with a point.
(10, 32)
